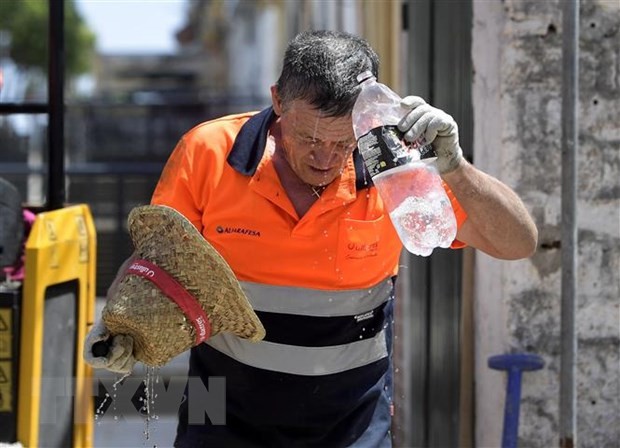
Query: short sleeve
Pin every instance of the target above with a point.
(459, 214)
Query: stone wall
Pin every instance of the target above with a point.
(517, 53)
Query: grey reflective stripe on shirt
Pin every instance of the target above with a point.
(316, 302)
(301, 360)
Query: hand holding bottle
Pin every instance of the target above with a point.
(409, 184)
(436, 127)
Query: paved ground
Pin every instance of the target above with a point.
(129, 433)
(116, 429)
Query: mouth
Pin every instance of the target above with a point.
(319, 176)
(320, 170)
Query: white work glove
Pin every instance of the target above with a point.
(120, 354)
(436, 127)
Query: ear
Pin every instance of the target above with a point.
(275, 101)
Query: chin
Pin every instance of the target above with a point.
(321, 179)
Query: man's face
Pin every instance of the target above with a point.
(316, 147)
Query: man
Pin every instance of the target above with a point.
(284, 197)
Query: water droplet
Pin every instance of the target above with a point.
(151, 377)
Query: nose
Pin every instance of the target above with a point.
(325, 155)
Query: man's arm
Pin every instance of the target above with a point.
(497, 220)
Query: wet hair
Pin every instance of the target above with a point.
(321, 68)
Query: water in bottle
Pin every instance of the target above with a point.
(403, 173)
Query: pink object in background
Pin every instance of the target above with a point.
(16, 272)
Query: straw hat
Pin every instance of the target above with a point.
(202, 296)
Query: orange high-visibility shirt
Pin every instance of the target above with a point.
(345, 240)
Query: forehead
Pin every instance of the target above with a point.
(307, 120)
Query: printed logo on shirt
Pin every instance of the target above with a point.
(239, 230)
(362, 250)
(364, 316)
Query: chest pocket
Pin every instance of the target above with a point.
(360, 251)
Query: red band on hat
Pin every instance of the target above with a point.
(175, 292)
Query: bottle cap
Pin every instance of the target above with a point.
(364, 76)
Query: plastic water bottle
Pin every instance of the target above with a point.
(403, 173)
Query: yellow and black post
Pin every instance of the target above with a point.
(55, 398)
